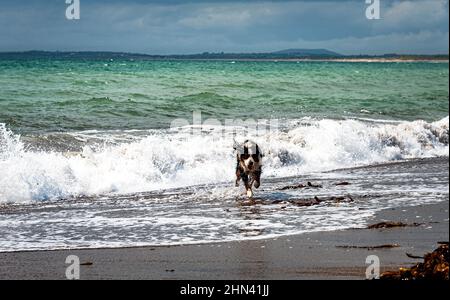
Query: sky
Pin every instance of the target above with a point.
(183, 27)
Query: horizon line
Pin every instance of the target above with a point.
(223, 53)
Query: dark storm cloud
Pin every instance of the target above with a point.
(175, 26)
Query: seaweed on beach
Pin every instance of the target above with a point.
(342, 183)
(304, 202)
(300, 186)
(386, 246)
(391, 225)
(435, 266)
(333, 199)
(310, 185)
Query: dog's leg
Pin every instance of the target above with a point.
(257, 179)
(238, 174)
(245, 180)
(252, 182)
(248, 186)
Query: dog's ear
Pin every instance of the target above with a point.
(237, 146)
(239, 150)
(259, 152)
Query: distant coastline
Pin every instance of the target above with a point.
(285, 55)
(319, 59)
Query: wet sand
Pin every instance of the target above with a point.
(307, 256)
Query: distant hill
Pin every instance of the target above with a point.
(308, 52)
(313, 54)
(284, 54)
(94, 55)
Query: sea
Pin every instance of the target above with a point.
(107, 153)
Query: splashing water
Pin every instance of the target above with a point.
(163, 159)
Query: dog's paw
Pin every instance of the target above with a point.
(250, 193)
(237, 184)
(257, 184)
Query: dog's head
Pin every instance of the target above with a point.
(249, 155)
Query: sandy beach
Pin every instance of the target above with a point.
(225, 140)
(337, 60)
(322, 255)
(325, 254)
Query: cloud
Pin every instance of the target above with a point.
(176, 26)
(219, 16)
(422, 42)
(414, 15)
(419, 12)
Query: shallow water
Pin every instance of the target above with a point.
(220, 212)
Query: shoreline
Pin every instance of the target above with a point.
(232, 60)
(319, 255)
(296, 55)
(340, 60)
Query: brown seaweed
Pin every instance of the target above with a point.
(342, 183)
(300, 186)
(435, 266)
(391, 225)
(387, 246)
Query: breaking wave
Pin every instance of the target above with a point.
(33, 169)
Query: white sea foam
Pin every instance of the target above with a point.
(167, 159)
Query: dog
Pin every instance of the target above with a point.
(249, 165)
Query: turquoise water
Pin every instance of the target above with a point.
(87, 159)
(70, 128)
(57, 96)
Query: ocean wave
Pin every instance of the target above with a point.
(162, 159)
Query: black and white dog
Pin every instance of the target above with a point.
(249, 165)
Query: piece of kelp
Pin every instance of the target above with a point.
(434, 266)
